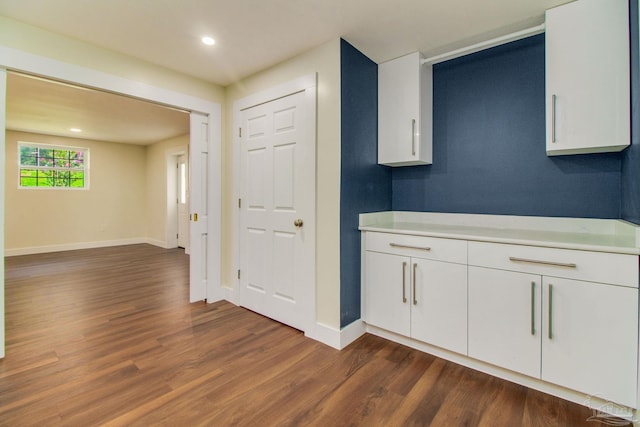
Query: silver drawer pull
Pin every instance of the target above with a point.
(553, 117)
(420, 248)
(413, 137)
(404, 281)
(415, 299)
(533, 261)
(533, 308)
(550, 311)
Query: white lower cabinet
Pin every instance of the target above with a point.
(590, 338)
(387, 295)
(504, 319)
(424, 299)
(577, 334)
(439, 304)
(560, 315)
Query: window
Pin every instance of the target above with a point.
(49, 166)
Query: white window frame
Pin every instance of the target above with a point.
(86, 156)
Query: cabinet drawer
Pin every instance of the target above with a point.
(449, 250)
(616, 269)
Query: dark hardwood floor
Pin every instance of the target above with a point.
(108, 337)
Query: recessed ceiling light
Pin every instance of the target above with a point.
(208, 41)
(77, 130)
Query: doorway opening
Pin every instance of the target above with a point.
(208, 141)
(177, 175)
(128, 138)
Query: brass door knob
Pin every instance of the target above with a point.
(298, 223)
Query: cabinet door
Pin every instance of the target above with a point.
(504, 319)
(439, 304)
(387, 292)
(403, 84)
(587, 77)
(590, 338)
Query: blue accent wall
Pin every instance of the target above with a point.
(489, 150)
(489, 145)
(631, 156)
(364, 185)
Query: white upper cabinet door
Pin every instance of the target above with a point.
(587, 77)
(405, 112)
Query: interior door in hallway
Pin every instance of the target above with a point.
(277, 225)
(183, 203)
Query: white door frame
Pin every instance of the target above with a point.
(17, 60)
(3, 103)
(307, 84)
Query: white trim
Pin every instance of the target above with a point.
(30, 250)
(352, 332)
(17, 60)
(538, 29)
(282, 90)
(337, 339)
(3, 93)
(158, 243)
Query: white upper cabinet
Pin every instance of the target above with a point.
(587, 77)
(405, 112)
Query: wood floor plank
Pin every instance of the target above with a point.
(108, 337)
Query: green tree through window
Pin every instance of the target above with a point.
(52, 166)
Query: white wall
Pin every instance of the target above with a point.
(325, 61)
(111, 210)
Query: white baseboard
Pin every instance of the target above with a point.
(74, 246)
(335, 338)
(158, 243)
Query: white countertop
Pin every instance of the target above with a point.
(600, 235)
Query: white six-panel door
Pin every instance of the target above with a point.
(198, 200)
(277, 209)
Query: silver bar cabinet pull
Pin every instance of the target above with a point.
(415, 300)
(420, 248)
(404, 281)
(550, 311)
(533, 308)
(553, 118)
(535, 261)
(413, 137)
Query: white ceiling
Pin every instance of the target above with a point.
(51, 108)
(251, 35)
(255, 34)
